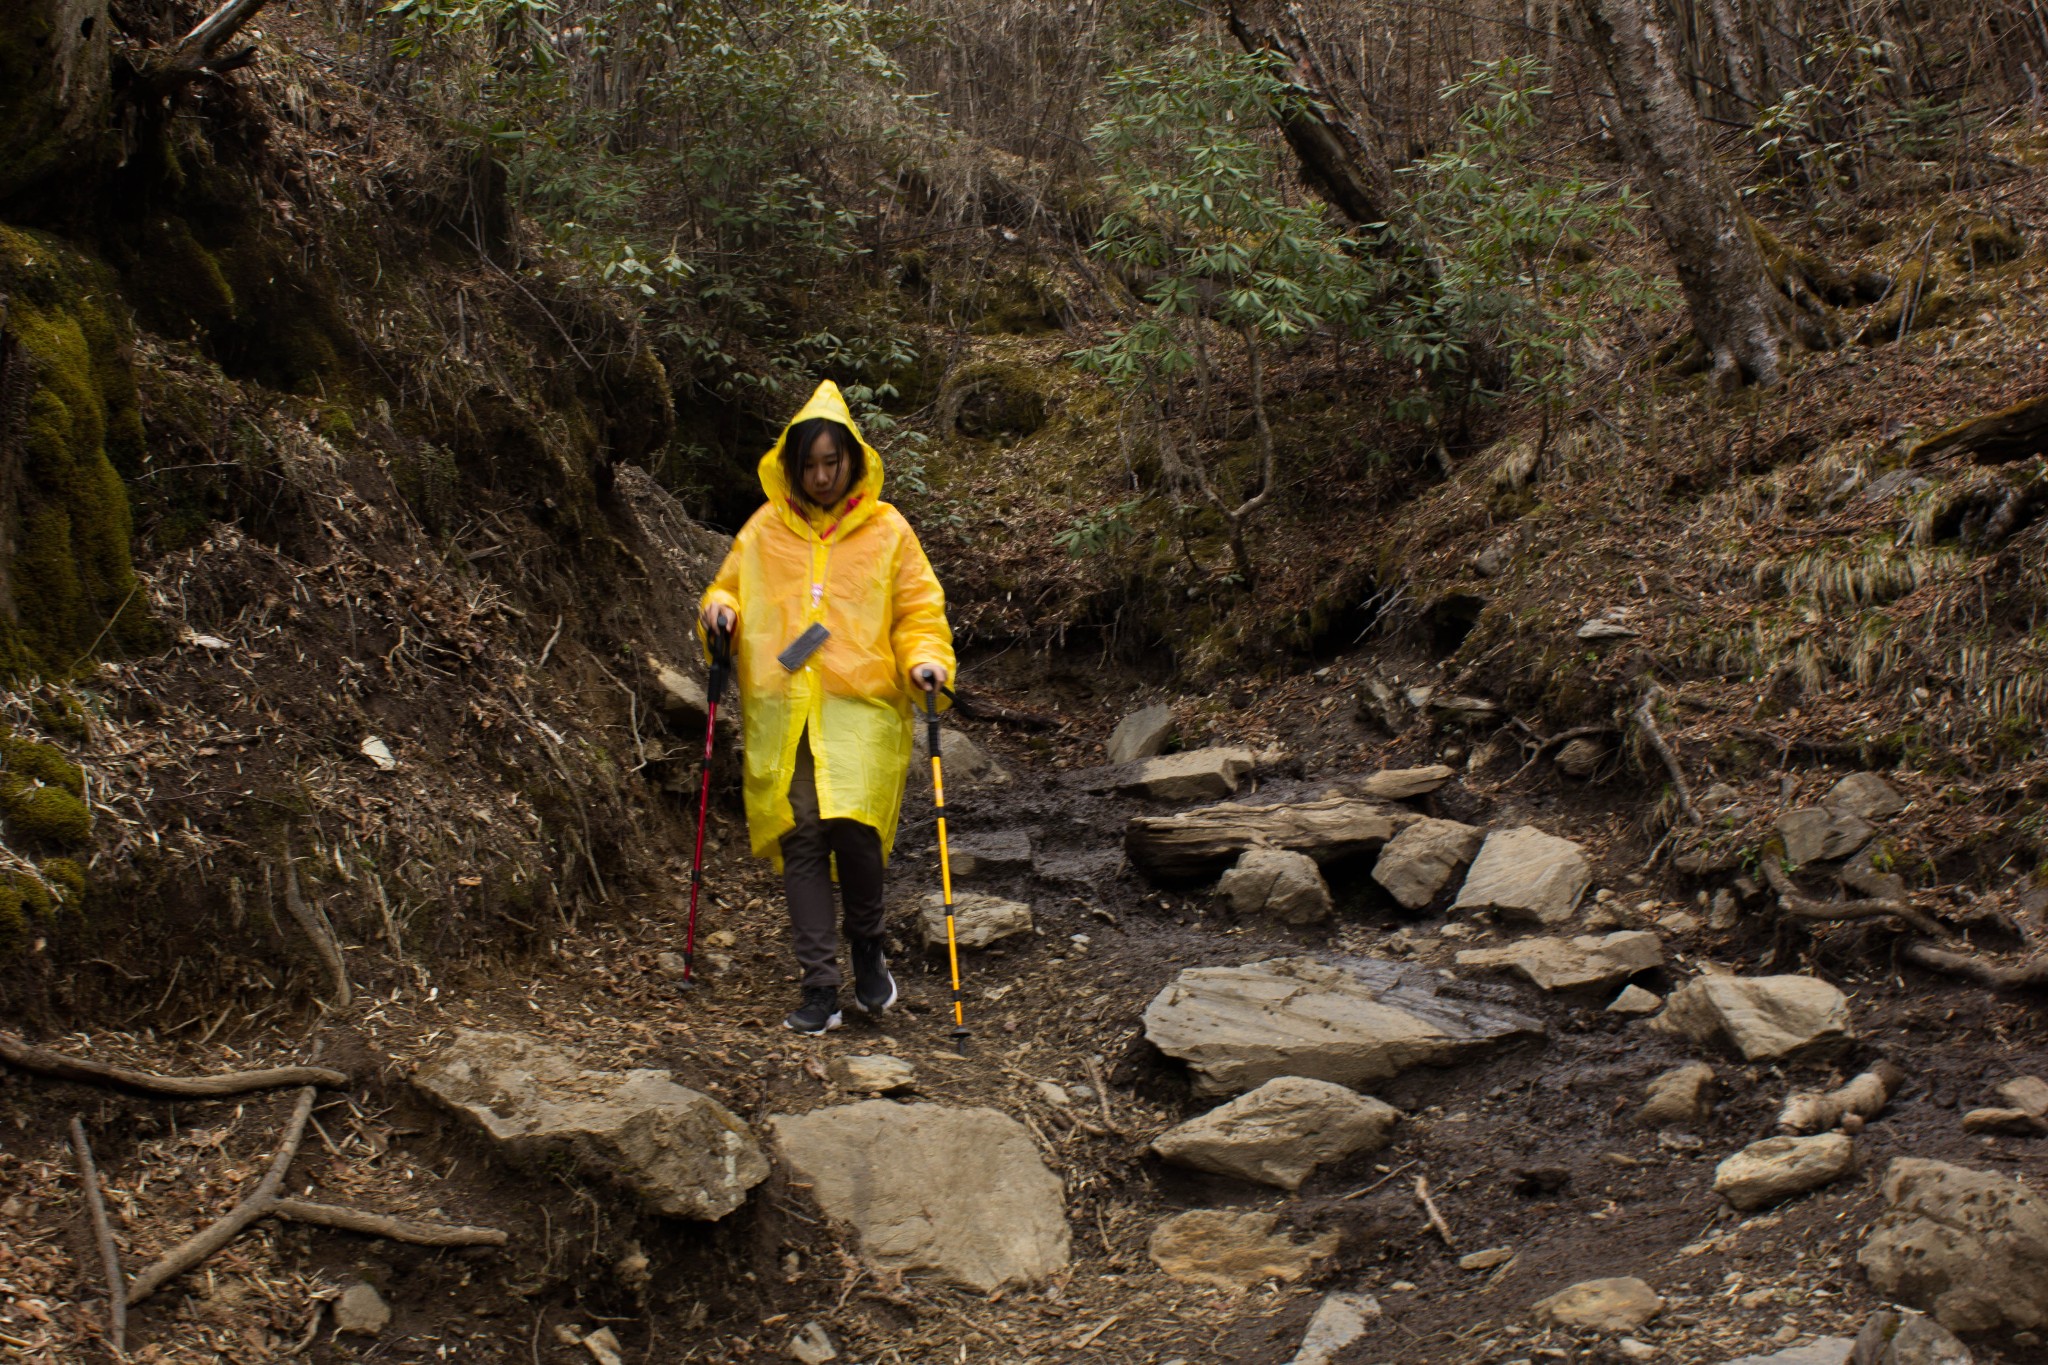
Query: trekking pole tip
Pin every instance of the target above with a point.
(960, 1037)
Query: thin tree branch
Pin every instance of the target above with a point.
(103, 1234)
(43, 1062)
(384, 1225)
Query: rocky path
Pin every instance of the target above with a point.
(1375, 1065)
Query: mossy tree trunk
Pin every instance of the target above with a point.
(1743, 321)
(55, 87)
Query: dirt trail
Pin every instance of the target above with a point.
(1533, 1150)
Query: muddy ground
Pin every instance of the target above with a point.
(1533, 1150)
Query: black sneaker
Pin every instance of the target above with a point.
(874, 990)
(819, 1012)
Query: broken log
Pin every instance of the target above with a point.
(1195, 843)
(43, 1062)
(2014, 433)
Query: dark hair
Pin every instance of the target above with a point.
(799, 440)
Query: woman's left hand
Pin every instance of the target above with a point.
(930, 677)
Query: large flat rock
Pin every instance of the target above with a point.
(682, 1152)
(1280, 1132)
(1570, 964)
(1197, 842)
(1526, 874)
(962, 1193)
(1354, 1022)
(994, 853)
(1196, 775)
(1775, 1169)
(1967, 1246)
(1762, 1017)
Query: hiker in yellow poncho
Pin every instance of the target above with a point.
(837, 623)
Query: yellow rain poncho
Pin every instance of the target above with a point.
(857, 569)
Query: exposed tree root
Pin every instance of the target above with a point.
(43, 1062)
(384, 1225)
(103, 1235)
(262, 1200)
(1801, 906)
(316, 927)
(1646, 721)
(2028, 974)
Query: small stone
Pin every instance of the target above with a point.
(812, 1345)
(1232, 1250)
(1604, 629)
(1612, 1305)
(2026, 1092)
(1679, 922)
(1679, 1098)
(1908, 1339)
(1636, 1000)
(1420, 861)
(1339, 1320)
(1485, 1260)
(1725, 912)
(1631, 1349)
(361, 1310)
(603, 1345)
(1825, 1351)
(1765, 1018)
(722, 938)
(670, 964)
(965, 763)
(872, 1074)
(1278, 882)
(1401, 784)
(1280, 1132)
(1054, 1094)
(1865, 795)
(993, 854)
(1580, 758)
(1196, 775)
(978, 920)
(2005, 1123)
(1775, 1169)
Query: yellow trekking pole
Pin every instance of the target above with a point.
(931, 711)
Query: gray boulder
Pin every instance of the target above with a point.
(1353, 1022)
(1420, 861)
(1866, 795)
(1340, 1319)
(964, 763)
(1765, 1018)
(1278, 882)
(1280, 1132)
(1680, 1098)
(959, 1192)
(1819, 834)
(1967, 1246)
(1197, 775)
(1908, 1339)
(1141, 734)
(682, 1152)
(1559, 964)
(978, 920)
(1526, 874)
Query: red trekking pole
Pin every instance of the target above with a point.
(721, 668)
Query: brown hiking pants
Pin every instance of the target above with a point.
(808, 851)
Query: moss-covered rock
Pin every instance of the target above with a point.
(69, 421)
(994, 399)
(1918, 300)
(1984, 242)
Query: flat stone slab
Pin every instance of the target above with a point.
(1232, 1250)
(1354, 1022)
(1141, 734)
(1196, 842)
(1866, 795)
(1196, 775)
(978, 920)
(682, 1152)
(992, 854)
(1561, 964)
(1423, 859)
(1762, 1017)
(962, 1193)
(1613, 1305)
(1967, 1246)
(1526, 874)
(1279, 1133)
(1825, 1351)
(1777, 1168)
(1278, 882)
(1402, 784)
(872, 1074)
(1340, 1319)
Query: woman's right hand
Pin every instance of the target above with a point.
(720, 617)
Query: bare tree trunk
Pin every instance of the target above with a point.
(1741, 318)
(1777, 48)
(1738, 55)
(56, 100)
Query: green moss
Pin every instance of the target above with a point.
(48, 814)
(336, 425)
(1917, 301)
(60, 713)
(1984, 242)
(994, 399)
(71, 582)
(67, 875)
(29, 762)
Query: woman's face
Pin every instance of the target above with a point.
(826, 471)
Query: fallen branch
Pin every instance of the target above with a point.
(43, 1062)
(195, 53)
(1646, 721)
(1436, 1218)
(975, 708)
(384, 1225)
(1794, 903)
(2026, 975)
(262, 1200)
(103, 1234)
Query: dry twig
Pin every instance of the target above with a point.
(317, 929)
(1646, 721)
(43, 1062)
(384, 1225)
(1436, 1218)
(103, 1234)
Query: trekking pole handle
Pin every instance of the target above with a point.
(719, 640)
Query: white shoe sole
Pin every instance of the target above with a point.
(885, 1006)
(834, 1022)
